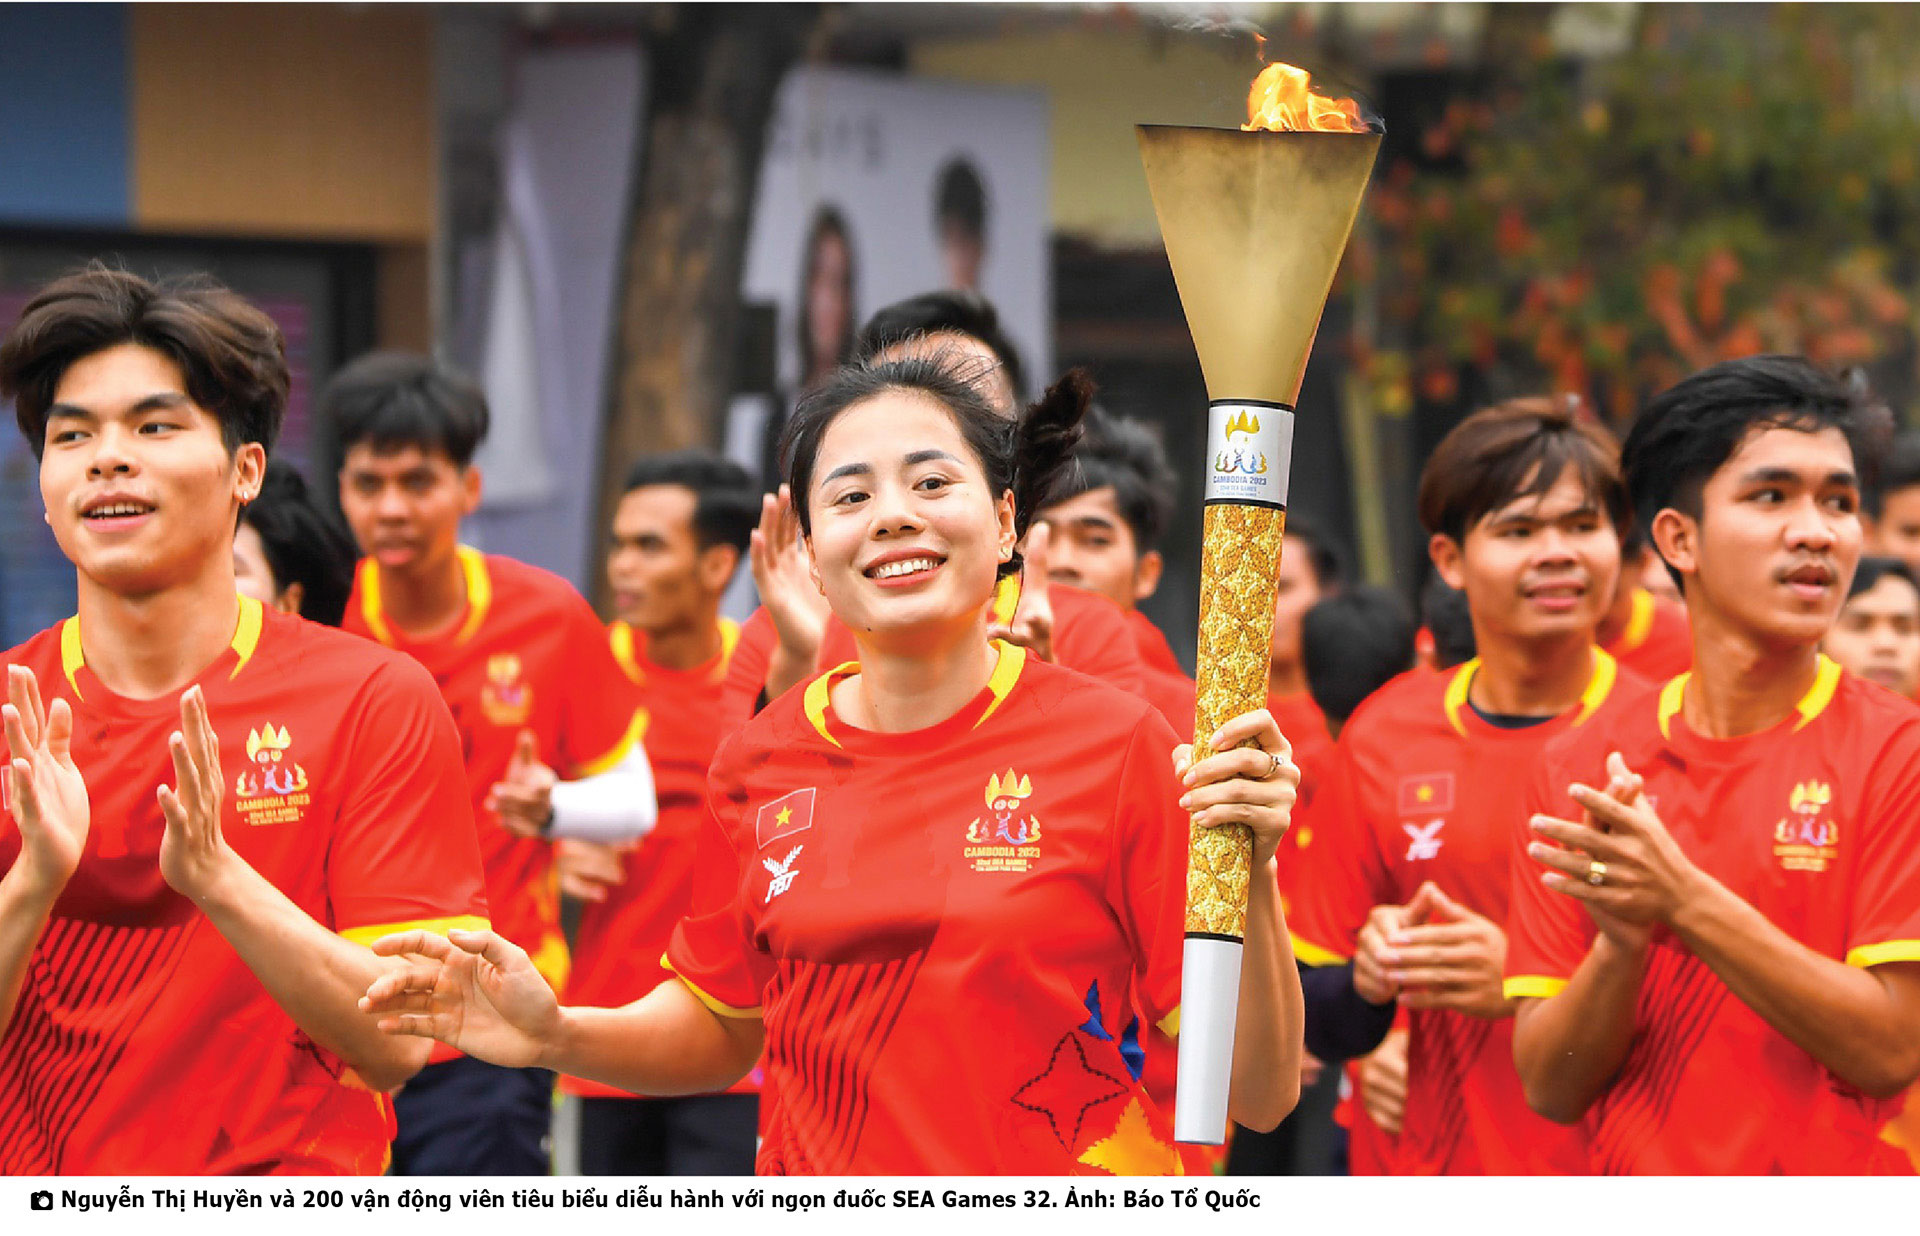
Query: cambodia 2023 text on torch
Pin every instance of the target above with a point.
(1254, 221)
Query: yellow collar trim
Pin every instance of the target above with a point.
(1006, 672)
(473, 569)
(620, 640)
(1606, 671)
(246, 638)
(1639, 621)
(1826, 680)
(1006, 599)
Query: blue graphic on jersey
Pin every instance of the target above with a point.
(1131, 1053)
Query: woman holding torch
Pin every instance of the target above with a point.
(941, 886)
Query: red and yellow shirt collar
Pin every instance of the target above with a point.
(819, 709)
(1826, 680)
(246, 638)
(1639, 622)
(626, 645)
(1606, 671)
(473, 570)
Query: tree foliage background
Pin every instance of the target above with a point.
(1740, 180)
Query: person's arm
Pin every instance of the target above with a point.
(1861, 1023)
(47, 798)
(1243, 785)
(1341, 1024)
(611, 806)
(476, 992)
(315, 975)
(1568, 1046)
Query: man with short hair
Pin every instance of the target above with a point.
(523, 663)
(1523, 504)
(217, 806)
(1718, 964)
(1895, 531)
(1877, 635)
(678, 535)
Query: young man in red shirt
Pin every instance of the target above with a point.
(1719, 966)
(679, 533)
(1523, 504)
(216, 806)
(524, 665)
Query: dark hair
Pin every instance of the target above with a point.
(726, 502)
(1351, 644)
(1514, 450)
(1872, 570)
(826, 221)
(391, 400)
(1123, 455)
(1900, 469)
(960, 197)
(303, 543)
(1026, 454)
(1689, 431)
(1447, 617)
(937, 313)
(231, 355)
(1322, 555)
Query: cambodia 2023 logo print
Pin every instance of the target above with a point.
(272, 789)
(1004, 839)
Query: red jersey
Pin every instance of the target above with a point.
(1816, 824)
(1090, 634)
(1429, 791)
(1657, 641)
(529, 654)
(619, 945)
(946, 931)
(141, 1043)
(1152, 645)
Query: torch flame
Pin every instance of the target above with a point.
(1281, 101)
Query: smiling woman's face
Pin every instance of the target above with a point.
(907, 538)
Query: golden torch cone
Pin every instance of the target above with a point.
(1255, 222)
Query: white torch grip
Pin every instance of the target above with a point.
(1209, 1003)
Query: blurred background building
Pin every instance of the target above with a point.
(646, 226)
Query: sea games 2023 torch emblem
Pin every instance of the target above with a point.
(272, 789)
(1249, 453)
(1004, 839)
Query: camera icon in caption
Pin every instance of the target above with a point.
(40, 1199)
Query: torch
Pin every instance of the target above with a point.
(1255, 222)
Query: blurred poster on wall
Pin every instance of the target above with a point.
(876, 187)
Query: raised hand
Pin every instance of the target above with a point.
(1620, 860)
(785, 583)
(1255, 786)
(523, 797)
(1445, 956)
(471, 990)
(194, 853)
(45, 792)
(1032, 624)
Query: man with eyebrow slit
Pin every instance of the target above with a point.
(1715, 931)
(209, 806)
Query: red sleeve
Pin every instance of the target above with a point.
(747, 670)
(1091, 635)
(405, 852)
(1548, 933)
(712, 948)
(1147, 866)
(600, 715)
(1341, 874)
(1883, 920)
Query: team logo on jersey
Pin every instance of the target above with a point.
(1806, 839)
(1005, 838)
(272, 789)
(506, 697)
(1426, 794)
(1424, 840)
(782, 873)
